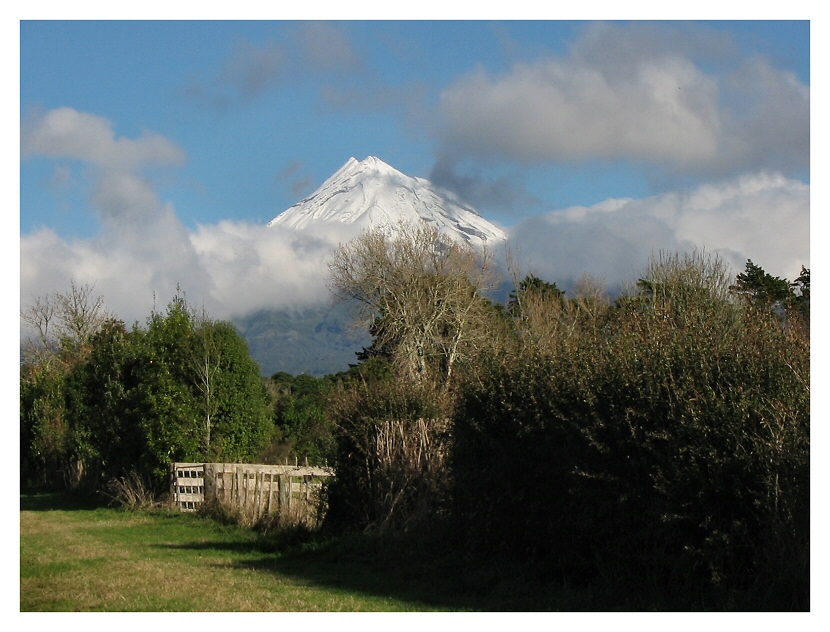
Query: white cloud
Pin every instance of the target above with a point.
(555, 110)
(253, 267)
(234, 268)
(120, 190)
(631, 93)
(143, 252)
(764, 217)
(231, 269)
(66, 133)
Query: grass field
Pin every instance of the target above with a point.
(77, 556)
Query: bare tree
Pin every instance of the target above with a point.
(40, 317)
(205, 361)
(63, 321)
(80, 314)
(421, 294)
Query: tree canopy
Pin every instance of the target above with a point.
(420, 294)
(108, 401)
(756, 286)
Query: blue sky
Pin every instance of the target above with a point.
(153, 151)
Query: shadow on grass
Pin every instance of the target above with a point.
(59, 501)
(241, 548)
(426, 573)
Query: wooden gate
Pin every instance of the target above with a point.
(187, 485)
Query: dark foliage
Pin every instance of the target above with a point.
(672, 449)
(391, 445)
(305, 430)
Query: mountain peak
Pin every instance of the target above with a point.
(372, 162)
(372, 194)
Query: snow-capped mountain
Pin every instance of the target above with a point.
(371, 194)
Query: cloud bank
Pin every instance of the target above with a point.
(640, 93)
(764, 217)
(143, 252)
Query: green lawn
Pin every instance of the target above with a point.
(77, 556)
(85, 558)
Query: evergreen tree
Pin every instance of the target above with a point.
(800, 302)
(760, 289)
(300, 409)
(531, 285)
(100, 393)
(200, 392)
(243, 423)
(168, 404)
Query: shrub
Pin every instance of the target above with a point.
(391, 447)
(131, 492)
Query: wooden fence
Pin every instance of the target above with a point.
(264, 489)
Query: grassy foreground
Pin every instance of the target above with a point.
(78, 556)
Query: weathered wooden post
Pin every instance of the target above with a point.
(270, 490)
(258, 484)
(174, 492)
(238, 499)
(285, 491)
(210, 482)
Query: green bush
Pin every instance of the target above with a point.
(305, 432)
(45, 431)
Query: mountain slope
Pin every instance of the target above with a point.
(317, 340)
(371, 194)
(361, 195)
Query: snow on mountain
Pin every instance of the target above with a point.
(371, 194)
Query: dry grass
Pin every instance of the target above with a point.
(298, 515)
(131, 492)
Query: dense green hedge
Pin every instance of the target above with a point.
(664, 439)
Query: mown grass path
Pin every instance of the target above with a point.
(84, 558)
